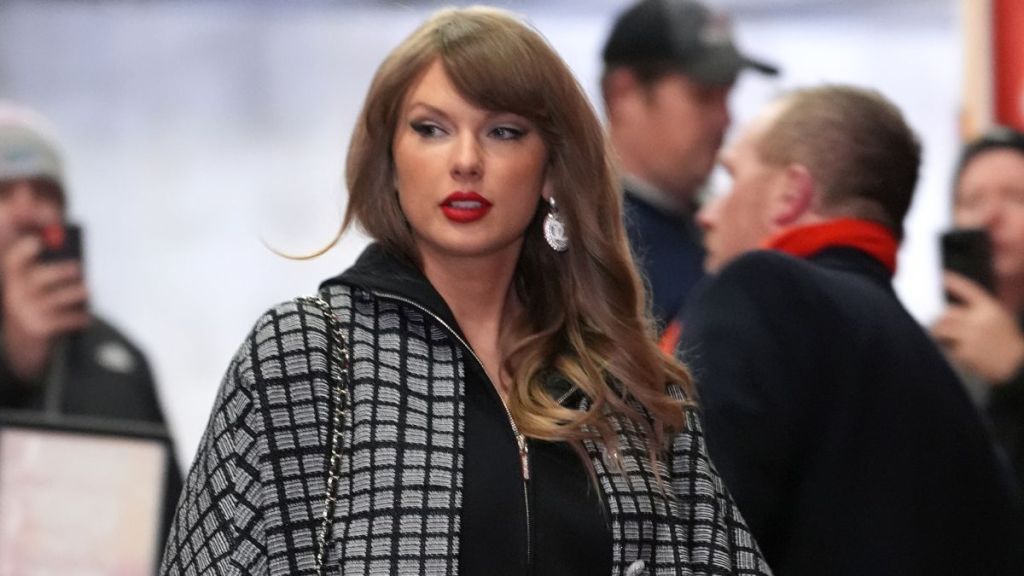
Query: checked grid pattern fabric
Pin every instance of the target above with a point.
(256, 491)
(694, 528)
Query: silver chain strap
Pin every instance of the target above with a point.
(339, 356)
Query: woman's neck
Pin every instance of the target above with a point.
(479, 293)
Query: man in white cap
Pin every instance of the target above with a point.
(669, 68)
(55, 355)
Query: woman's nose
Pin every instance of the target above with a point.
(466, 161)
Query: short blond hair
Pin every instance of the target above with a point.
(857, 146)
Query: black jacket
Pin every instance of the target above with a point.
(668, 252)
(846, 439)
(105, 376)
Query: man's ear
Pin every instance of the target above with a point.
(618, 84)
(795, 196)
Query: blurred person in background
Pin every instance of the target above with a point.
(983, 332)
(45, 316)
(843, 434)
(480, 393)
(669, 67)
(57, 357)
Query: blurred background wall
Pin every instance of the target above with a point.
(194, 129)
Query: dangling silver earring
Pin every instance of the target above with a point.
(554, 229)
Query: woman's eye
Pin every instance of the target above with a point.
(426, 129)
(508, 133)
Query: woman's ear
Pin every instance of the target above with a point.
(548, 188)
(796, 195)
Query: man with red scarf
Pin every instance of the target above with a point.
(845, 438)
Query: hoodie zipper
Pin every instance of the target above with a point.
(521, 443)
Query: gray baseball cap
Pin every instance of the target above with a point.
(28, 147)
(683, 33)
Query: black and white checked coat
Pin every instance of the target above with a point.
(257, 488)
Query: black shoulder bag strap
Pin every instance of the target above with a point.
(338, 367)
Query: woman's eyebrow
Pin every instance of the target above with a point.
(428, 108)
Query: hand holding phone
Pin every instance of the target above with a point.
(45, 298)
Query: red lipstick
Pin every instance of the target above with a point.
(463, 207)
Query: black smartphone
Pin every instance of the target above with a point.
(61, 241)
(968, 252)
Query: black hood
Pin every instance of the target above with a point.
(384, 273)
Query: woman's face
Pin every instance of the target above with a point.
(990, 195)
(469, 180)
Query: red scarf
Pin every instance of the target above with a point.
(803, 241)
(869, 237)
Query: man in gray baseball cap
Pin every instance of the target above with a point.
(669, 68)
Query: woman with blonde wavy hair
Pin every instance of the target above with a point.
(480, 393)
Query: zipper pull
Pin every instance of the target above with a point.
(524, 455)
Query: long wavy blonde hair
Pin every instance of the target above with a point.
(585, 320)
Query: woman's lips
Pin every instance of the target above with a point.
(465, 207)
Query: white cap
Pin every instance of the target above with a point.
(28, 145)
